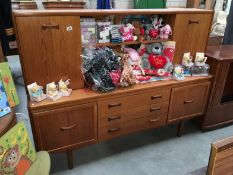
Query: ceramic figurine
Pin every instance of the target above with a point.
(36, 92)
(63, 89)
(187, 60)
(52, 92)
(178, 73)
(200, 59)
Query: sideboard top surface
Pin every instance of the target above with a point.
(86, 95)
(94, 12)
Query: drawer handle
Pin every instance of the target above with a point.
(49, 26)
(113, 118)
(155, 109)
(193, 21)
(156, 97)
(114, 105)
(113, 130)
(188, 101)
(154, 120)
(65, 128)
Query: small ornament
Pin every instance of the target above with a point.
(178, 73)
(187, 64)
(63, 89)
(52, 92)
(36, 92)
(200, 59)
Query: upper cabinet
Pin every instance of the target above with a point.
(50, 49)
(191, 33)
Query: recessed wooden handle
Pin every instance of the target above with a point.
(114, 118)
(64, 128)
(156, 97)
(188, 101)
(193, 21)
(154, 120)
(155, 109)
(49, 26)
(113, 130)
(114, 105)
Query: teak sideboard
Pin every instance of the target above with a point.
(49, 52)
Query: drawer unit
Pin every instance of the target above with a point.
(188, 101)
(130, 102)
(125, 127)
(66, 127)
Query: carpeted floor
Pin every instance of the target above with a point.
(154, 152)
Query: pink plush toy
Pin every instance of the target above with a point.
(127, 33)
(165, 32)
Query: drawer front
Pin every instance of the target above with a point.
(188, 101)
(121, 128)
(130, 102)
(138, 112)
(66, 127)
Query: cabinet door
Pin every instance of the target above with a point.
(50, 49)
(66, 127)
(191, 33)
(188, 101)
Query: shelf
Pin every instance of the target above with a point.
(63, 4)
(129, 43)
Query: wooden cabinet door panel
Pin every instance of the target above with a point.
(191, 33)
(66, 127)
(55, 47)
(188, 101)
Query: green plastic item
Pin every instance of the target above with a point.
(149, 4)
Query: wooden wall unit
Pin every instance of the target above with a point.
(49, 50)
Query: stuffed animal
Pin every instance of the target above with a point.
(165, 32)
(152, 30)
(127, 33)
(155, 48)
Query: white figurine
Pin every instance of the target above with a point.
(63, 89)
(187, 60)
(178, 73)
(36, 92)
(200, 59)
(52, 91)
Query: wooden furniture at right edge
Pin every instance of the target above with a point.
(220, 107)
(87, 117)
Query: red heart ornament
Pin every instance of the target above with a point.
(157, 61)
(153, 33)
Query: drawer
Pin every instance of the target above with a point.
(138, 112)
(188, 101)
(66, 127)
(121, 128)
(126, 103)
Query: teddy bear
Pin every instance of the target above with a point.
(127, 33)
(165, 31)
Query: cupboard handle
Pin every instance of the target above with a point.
(49, 26)
(114, 105)
(188, 101)
(64, 128)
(154, 120)
(155, 109)
(156, 97)
(113, 130)
(114, 118)
(193, 21)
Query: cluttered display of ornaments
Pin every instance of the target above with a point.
(53, 91)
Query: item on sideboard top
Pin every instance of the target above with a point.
(103, 32)
(200, 70)
(52, 92)
(178, 73)
(63, 88)
(88, 30)
(165, 31)
(187, 63)
(200, 59)
(4, 105)
(127, 33)
(36, 92)
(8, 83)
(115, 34)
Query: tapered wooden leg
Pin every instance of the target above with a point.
(180, 128)
(70, 159)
